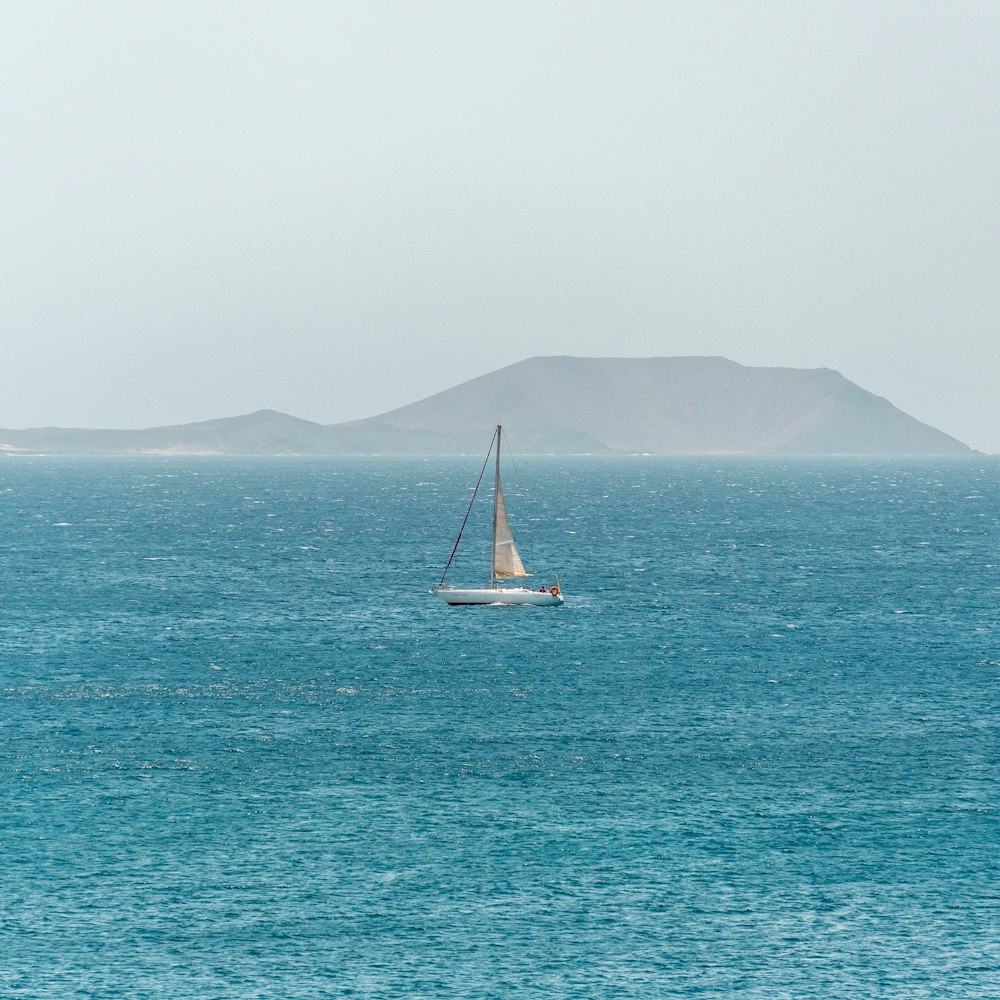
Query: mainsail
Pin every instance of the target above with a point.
(506, 559)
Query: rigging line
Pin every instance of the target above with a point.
(510, 454)
(468, 511)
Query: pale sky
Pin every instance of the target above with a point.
(336, 208)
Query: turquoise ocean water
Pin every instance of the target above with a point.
(246, 754)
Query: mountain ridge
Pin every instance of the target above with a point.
(563, 405)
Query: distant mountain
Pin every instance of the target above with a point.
(663, 406)
(265, 432)
(566, 405)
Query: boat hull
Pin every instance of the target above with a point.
(497, 595)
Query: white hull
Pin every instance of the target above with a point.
(497, 595)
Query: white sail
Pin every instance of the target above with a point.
(506, 559)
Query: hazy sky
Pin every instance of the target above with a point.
(335, 208)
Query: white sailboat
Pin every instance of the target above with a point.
(506, 560)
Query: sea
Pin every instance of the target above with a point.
(245, 753)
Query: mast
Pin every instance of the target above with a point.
(496, 506)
